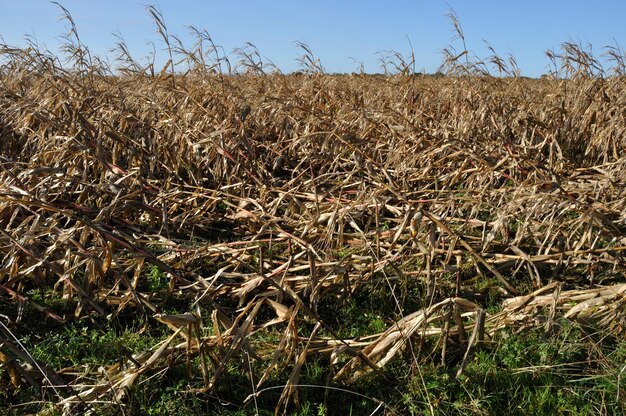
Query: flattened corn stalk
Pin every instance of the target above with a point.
(245, 189)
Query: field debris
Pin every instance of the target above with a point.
(261, 200)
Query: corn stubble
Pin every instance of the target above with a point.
(243, 186)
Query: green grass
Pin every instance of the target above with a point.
(527, 373)
(573, 370)
(157, 279)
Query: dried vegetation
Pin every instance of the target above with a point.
(265, 199)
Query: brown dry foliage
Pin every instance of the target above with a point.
(103, 177)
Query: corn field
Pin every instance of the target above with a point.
(263, 199)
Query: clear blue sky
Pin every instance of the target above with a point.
(341, 33)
